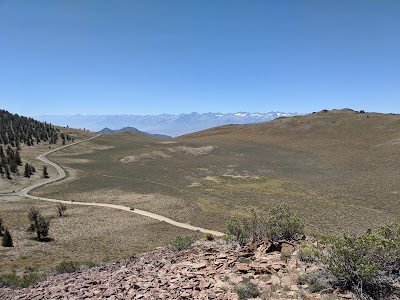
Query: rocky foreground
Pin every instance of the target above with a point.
(209, 270)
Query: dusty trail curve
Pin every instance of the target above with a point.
(61, 175)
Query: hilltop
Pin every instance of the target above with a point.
(155, 135)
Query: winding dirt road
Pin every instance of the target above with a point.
(61, 175)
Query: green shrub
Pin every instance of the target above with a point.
(247, 290)
(68, 266)
(14, 281)
(368, 263)
(246, 229)
(237, 229)
(209, 237)
(285, 256)
(307, 254)
(282, 224)
(317, 280)
(182, 243)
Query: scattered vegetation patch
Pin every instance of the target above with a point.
(280, 224)
(182, 243)
(308, 253)
(204, 150)
(247, 290)
(70, 266)
(15, 281)
(317, 280)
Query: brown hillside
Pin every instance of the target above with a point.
(340, 136)
(338, 169)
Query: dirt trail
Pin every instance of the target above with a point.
(61, 175)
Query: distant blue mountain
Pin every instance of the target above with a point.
(171, 125)
(107, 130)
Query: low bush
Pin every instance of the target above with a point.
(210, 237)
(317, 280)
(247, 290)
(367, 264)
(14, 281)
(68, 266)
(280, 224)
(308, 253)
(283, 224)
(182, 243)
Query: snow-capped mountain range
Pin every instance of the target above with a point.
(168, 124)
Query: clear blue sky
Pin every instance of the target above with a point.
(151, 57)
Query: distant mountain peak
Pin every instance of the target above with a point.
(167, 124)
(107, 130)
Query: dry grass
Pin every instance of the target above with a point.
(86, 234)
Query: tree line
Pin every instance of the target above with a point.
(16, 130)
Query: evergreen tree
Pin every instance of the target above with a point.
(7, 171)
(38, 223)
(15, 130)
(27, 172)
(13, 166)
(7, 239)
(18, 160)
(45, 173)
(1, 226)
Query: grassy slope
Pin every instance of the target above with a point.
(87, 234)
(339, 170)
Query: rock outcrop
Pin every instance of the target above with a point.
(209, 270)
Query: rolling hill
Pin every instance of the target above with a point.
(339, 169)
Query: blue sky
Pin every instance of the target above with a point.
(152, 57)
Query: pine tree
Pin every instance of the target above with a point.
(18, 160)
(27, 172)
(7, 171)
(13, 166)
(38, 223)
(7, 239)
(45, 173)
(1, 226)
